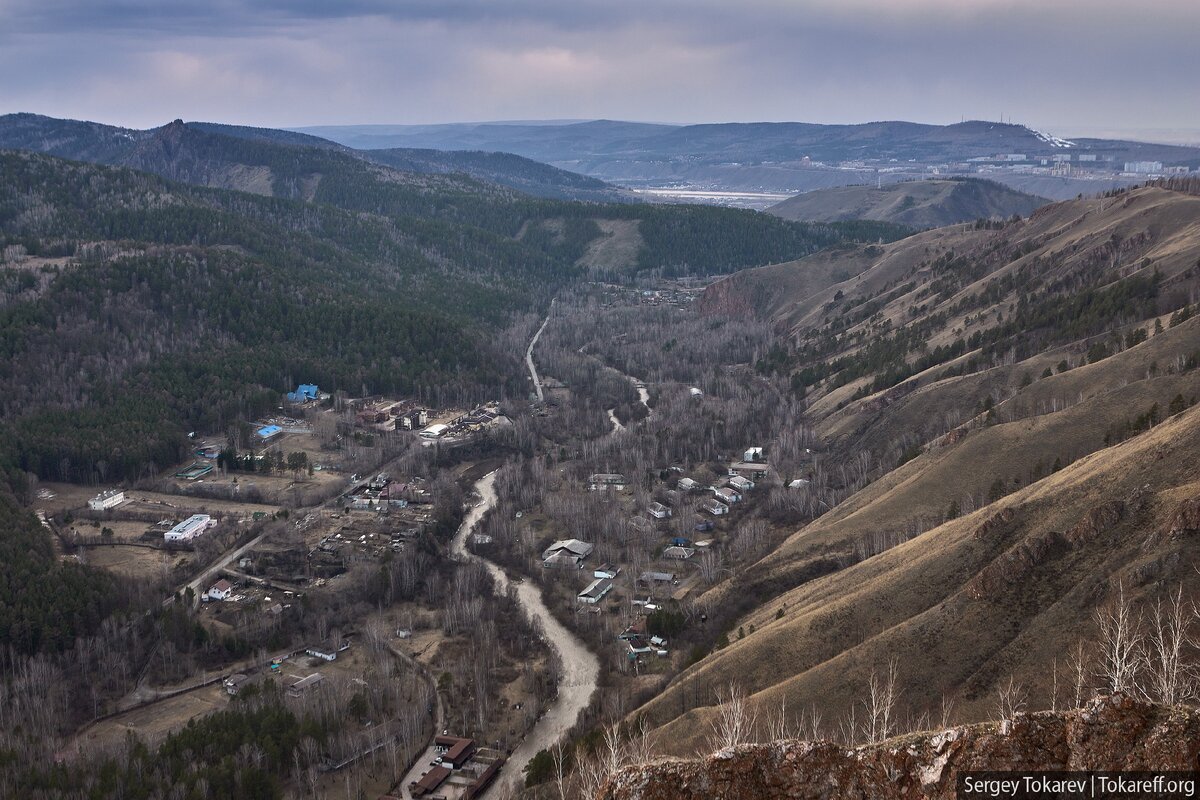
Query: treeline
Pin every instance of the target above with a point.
(247, 751)
(44, 602)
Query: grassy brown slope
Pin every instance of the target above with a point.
(1148, 228)
(971, 602)
(961, 608)
(930, 410)
(796, 293)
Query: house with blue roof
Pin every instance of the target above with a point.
(304, 392)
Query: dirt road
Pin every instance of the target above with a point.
(537, 383)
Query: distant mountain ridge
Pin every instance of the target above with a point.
(918, 204)
(771, 156)
(206, 153)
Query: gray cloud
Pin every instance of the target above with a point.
(1072, 63)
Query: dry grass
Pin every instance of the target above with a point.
(154, 722)
(914, 602)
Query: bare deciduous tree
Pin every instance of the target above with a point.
(735, 720)
(1011, 698)
(880, 703)
(1171, 679)
(777, 722)
(1122, 644)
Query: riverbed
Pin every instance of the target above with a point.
(580, 668)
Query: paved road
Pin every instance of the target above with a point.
(580, 668)
(537, 383)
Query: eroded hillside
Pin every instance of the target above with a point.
(1008, 436)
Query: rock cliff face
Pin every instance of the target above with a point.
(1115, 733)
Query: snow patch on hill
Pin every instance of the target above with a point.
(1053, 141)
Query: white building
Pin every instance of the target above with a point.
(659, 511)
(323, 653)
(753, 454)
(106, 500)
(190, 528)
(434, 431)
(687, 485)
(741, 484)
(1143, 167)
(715, 508)
(727, 495)
(221, 590)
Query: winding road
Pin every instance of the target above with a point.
(580, 668)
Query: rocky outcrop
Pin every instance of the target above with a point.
(1115, 733)
(1095, 522)
(994, 523)
(1185, 519)
(1016, 563)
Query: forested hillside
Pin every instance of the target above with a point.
(45, 603)
(135, 310)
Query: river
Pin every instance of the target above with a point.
(580, 668)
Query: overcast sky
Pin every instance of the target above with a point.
(1067, 66)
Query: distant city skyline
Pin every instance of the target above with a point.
(1074, 67)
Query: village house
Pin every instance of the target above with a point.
(687, 485)
(753, 454)
(727, 495)
(595, 591)
(566, 553)
(741, 484)
(651, 578)
(606, 571)
(714, 507)
(681, 553)
(221, 590)
(659, 511)
(641, 525)
(234, 683)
